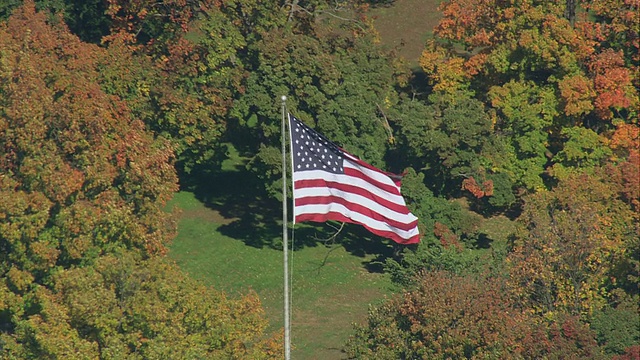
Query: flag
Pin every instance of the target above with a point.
(331, 184)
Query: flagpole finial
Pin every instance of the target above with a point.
(283, 98)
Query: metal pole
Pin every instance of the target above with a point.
(285, 245)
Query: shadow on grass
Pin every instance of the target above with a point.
(236, 196)
(256, 219)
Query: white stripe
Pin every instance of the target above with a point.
(347, 180)
(293, 175)
(378, 176)
(356, 199)
(355, 216)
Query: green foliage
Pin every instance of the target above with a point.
(526, 112)
(340, 84)
(428, 257)
(126, 308)
(442, 224)
(583, 150)
(431, 209)
(447, 138)
(503, 196)
(618, 326)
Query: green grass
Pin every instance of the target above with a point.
(331, 286)
(406, 25)
(230, 237)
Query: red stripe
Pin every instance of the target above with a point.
(322, 183)
(355, 207)
(340, 217)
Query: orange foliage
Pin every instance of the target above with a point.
(575, 235)
(578, 94)
(446, 236)
(474, 188)
(612, 83)
(626, 141)
(469, 20)
(77, 172)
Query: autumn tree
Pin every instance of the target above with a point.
(568, 258)
(79, 175)
(86, 19)
(126, 308)
(83, 185)
(450, 316)
(542, 71)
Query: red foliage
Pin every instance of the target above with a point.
(446, 236)
(632, 353)
(472, 186)
(565, 338)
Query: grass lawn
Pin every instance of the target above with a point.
(331, 286)
(406, 25)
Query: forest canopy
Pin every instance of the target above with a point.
(520, 109)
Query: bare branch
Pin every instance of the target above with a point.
(327, 240)
(386, 122)
(333, 237)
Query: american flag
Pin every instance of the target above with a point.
(331, 184)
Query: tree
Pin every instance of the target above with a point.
(444, 227)
(618, 324)
(449, 316)
(86, 19)
(576, 236)
(340, 84)
(83, 187)
(123, 307)
(453, 142)
(80, 177)
(583, 151)
(545, 68)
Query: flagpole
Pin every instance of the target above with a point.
(285, 245)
